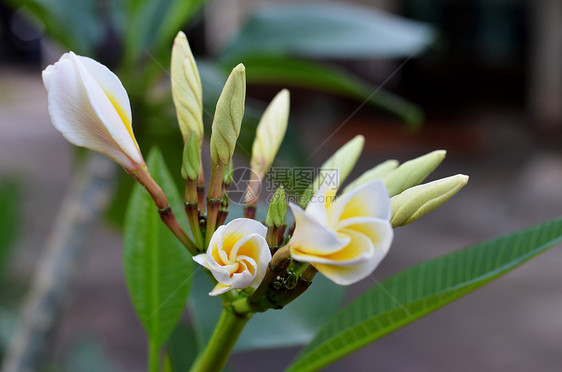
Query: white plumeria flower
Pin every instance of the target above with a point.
(90, 107)
(346, 238)
(237, 256)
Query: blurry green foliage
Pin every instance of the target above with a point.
(139, 34)
(182, 348)
(328, 30)
(309, 74)
(10, 209)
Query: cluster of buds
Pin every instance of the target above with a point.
(256, 265)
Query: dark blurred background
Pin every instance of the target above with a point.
(491, 90)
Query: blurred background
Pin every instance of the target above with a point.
(481, 79)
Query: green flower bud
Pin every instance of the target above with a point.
(419, 200)
(277, 209)
(228, 116)
(343, 160)
(186, 88)
(270, 133)
(227, 174)
(376, 173)
(413, 172)
(190, 166)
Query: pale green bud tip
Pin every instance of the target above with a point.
(180, 41)
(190, 166)
(376, 173)
(270, 133)
(420, 200)
(186, 88)
(277, 209)
(343, 160)
(413, 172)
(228, 116)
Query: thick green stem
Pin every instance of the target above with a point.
(153, 357)
(222, 342)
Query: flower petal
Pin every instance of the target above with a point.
(244, 226)
(368, 200)
(249, 246)
(358, 249)
(220, 289)
(72, 114)
(323, 198)
(379, 231)
(110, 84)
(364, 258)
(311, 238)
(109, 101)
(237, 255)
(201, 259)
(242, 280)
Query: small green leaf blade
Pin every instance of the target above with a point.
(282, 70)
(158, 269)
(421, 289)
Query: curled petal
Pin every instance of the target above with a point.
(89, 106)
(368, 200)
(345, 239)
(354, 262)
(378, 230)
(244, 226)
(220, 289)
(313, 238)
(326, 194)
(237, 255)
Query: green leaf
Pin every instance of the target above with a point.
(421, 289)
(329, 30)
(308, 74)
(9, 219)
(76, 25)
(182, 348)
(178, 14)
(158, 269)
(151, 25)
(295, 325)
